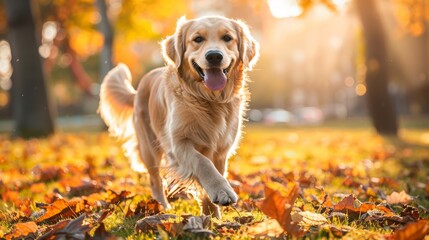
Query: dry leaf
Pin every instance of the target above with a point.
(57, 210)
(307, 218)
(397, 198)
(413, 231)
(145, 208)
(114, 198)
(26, 230)
(68, 229)
(351, 205)
(269, 227)
(278, 203)
(152, 223)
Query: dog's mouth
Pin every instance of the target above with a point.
(214, 78)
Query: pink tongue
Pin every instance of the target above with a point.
(214, 79)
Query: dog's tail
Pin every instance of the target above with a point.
(116, 109)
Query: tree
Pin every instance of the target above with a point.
(380, 106)
(106, 55)
(32, 108)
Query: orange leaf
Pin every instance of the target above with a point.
(347, 203)
(278, 204)
(350, 205)
(58, 209)
(268, 227)
(23, 231)
(413, 231)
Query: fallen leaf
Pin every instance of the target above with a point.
(307, 218)
(114, 198)
(59, 209)
(269, 227)
(152, 223)
(399, 198)
(244, 219)
(25, 230)
(413, 231)
(278, 203)
(68, 229)
(145, 208)
(410, 213)
(339, 231)
(47, 173)
(351, 205)
(78, 186)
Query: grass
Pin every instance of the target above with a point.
(355, 152)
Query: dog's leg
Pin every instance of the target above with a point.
(219, 161)
(193, 163)
(150, 157)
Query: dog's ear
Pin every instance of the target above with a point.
(248, 47)
(173, 47)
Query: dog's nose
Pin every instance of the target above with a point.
(214, 57)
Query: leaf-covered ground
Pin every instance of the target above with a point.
(293, 182)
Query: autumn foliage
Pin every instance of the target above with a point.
(79, 186)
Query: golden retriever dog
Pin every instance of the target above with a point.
(184, 120)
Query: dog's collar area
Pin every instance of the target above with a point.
(201, 72)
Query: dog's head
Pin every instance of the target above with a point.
(211, 53)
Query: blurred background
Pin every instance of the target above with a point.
(321, 60)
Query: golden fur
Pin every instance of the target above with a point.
(175, 115)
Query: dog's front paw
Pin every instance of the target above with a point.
(223, 195)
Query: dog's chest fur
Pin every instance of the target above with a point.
(208, 124)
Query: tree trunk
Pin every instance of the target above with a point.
(424, 101)
(32, 109)
(380, 105)
(105, 27)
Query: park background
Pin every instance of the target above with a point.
(337, 142)
(320, 60)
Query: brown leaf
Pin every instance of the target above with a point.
(114, 198)
(244, 219)
(327, 202)
(57, 210)
(145, 208)
(410, 213)
(413, 231)
(339, 231)
(152, 223)
(347, 203)
(25, 230)
(48, 173)
(78, 186)
(278, 203)
(351, 205)
(68, 229)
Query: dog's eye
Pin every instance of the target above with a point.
(198, 39)
(227, 38)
